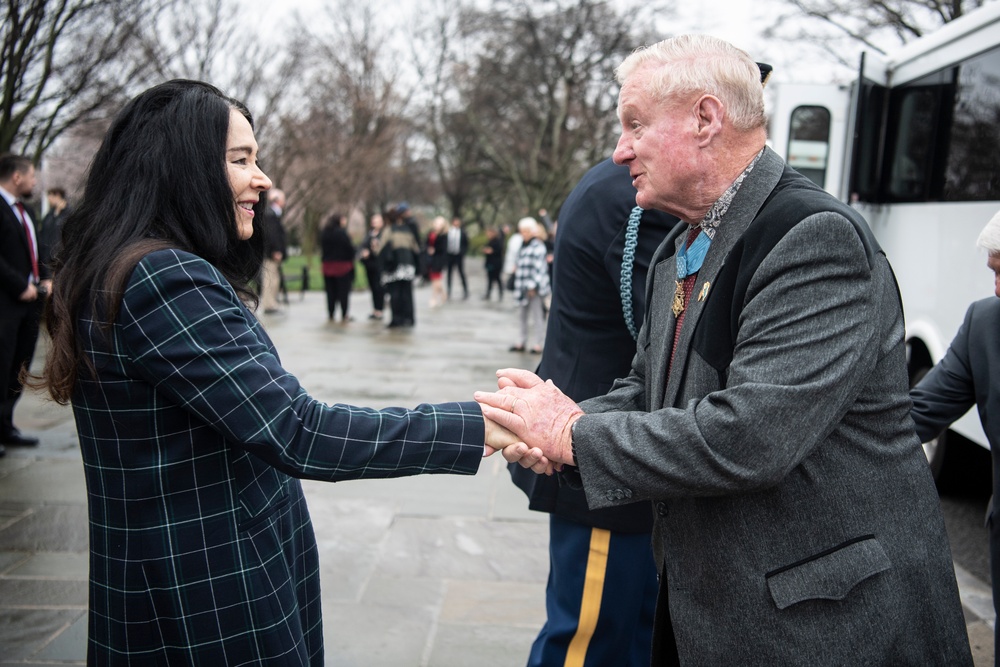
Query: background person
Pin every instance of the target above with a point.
(24, 280)
(399, 256)
(337, 257)
(437, 252)
(531, 286)
(275, 251)
(51, 228)
(514, 241)
(458, 246)
(493, 254)
(967, 376)
(368, 254)
(766, 413)
(193, 435)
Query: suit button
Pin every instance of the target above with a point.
(661, 509)
(628, 493)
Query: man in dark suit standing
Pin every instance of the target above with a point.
(24, 283)
(599, 560)
(969, 375)
(458, 246)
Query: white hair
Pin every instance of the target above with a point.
(528, 225)
(989, 238)
(691, 64)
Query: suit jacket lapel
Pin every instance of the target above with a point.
(748, 201)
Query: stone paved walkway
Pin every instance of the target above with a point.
(438, 571)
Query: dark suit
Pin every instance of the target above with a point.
(18, 319)
(587, 347)
(968, 375)
(49, 237)
(796, 517)
(193, 437)
(456, 260)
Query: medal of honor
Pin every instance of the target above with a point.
(678, 306)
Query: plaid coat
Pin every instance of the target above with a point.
(193, 437)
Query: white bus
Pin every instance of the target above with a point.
(914, 144)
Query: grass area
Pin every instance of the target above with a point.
(292, 270)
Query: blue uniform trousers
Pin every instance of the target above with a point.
(600, 598)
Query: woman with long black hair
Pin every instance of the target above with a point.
(193, 435)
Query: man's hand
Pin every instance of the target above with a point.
(536, 412)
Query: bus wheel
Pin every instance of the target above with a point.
(936, 448)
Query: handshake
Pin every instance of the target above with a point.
(529, 420)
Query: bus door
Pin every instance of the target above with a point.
(808, 128)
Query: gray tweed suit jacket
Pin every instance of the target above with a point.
(797, 521)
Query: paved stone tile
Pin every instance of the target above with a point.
(498, 603)
(54, 565)
(48, 528)
(466, 549)
(455, 645)
(68, 645)
(25, 632)
(11, 559)
(46, 481)
(981, 641)
(49, 593)
(376, 635)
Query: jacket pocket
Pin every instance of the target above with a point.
(829, 575)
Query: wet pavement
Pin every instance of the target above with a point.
(438, 571)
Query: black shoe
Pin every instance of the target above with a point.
(16, 439)
(3, 452)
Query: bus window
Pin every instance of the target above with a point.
(809, 142)
(973, 166)
(910, 161)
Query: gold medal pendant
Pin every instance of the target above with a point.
(678, 306)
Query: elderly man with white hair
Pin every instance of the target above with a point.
(968, 375)
(766, 413)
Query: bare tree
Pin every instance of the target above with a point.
(63, 61)
(522, 99)
(199, 39)
(841, 27)
(342, 143)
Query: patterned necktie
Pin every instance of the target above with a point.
(31, 244)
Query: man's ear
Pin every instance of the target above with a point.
(710, 113)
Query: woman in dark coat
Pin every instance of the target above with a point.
(337, 254)
(399, 257)
(193, 436)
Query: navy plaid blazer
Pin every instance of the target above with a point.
(193, 437)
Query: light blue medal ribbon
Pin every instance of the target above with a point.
(689, 260)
